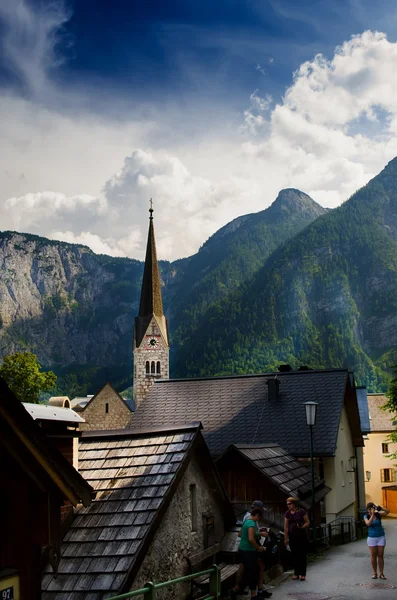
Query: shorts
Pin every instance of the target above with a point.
(376, 541)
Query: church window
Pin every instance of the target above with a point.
(147, 367)
(106, 407)
(153, 367)
(158, 371)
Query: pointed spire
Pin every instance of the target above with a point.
(151, 301)
(151, 304)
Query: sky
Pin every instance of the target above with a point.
(210, 107)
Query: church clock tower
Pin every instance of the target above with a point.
(151, 346)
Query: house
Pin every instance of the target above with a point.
(268, 472)
(36, 481)
(106, 410)
(159, 499)
(268, 408)
(380, 486)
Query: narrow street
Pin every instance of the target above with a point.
(345, 572)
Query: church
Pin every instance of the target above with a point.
(253, 410)
(151, 344)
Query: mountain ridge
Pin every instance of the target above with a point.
(327, 297)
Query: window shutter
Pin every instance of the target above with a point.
(382, 475)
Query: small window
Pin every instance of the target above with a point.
(386, 475)
(147, 367)
(385, 448)
(342, 468)
(106, 407)
(153, 368)
(158, 368)
(193, 506)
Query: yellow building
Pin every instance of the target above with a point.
(380, 484)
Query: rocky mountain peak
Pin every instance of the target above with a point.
(292, 200)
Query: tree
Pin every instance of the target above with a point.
(391, 405)
(23, 374)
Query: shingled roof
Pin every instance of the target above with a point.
(135, 475)
(279, 467)
(381, 420)
(238, 410)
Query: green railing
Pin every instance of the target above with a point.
(150, 589)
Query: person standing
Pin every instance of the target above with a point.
(261, 564)
(249, 549)
(376, 539)
(296, 522)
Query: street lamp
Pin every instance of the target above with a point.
(311, 413)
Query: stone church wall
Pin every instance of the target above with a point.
(143, 381)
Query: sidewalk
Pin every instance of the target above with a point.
(345, 572)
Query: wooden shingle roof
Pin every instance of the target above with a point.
(134, 475)
(238, 410)
(274, 463)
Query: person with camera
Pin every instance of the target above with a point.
(249, 549)
(376, 537)
(296, 522)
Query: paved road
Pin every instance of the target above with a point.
(345, 572)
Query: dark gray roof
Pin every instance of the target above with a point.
(362, 400)
(134, 475)
(237, 410)
(290, 476)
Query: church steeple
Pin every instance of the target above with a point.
(151, 301)
(151, 347)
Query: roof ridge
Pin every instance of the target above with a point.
(250, 375)
(118, 433)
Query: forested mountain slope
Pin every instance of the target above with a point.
(327, 297)
(76, 309)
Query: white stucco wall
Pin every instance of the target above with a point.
(341, 499)
(374, 461)
(174, 540)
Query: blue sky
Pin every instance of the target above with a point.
(211, 107)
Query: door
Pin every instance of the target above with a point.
(391, 499)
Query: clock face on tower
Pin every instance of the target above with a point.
(153, 342)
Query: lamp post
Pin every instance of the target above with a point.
(311, 413)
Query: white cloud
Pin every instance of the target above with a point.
(334, 129)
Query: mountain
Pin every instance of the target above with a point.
(75, 309)
(233, 255)
(327, 297)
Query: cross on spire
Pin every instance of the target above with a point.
(151, 209)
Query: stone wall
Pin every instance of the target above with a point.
(143, 380)
(106, 410)
(175, 540)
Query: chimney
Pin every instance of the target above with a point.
(273, 389)
(284, 368)
(304, 368)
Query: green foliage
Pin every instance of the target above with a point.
(23, 374)
(391, 406)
